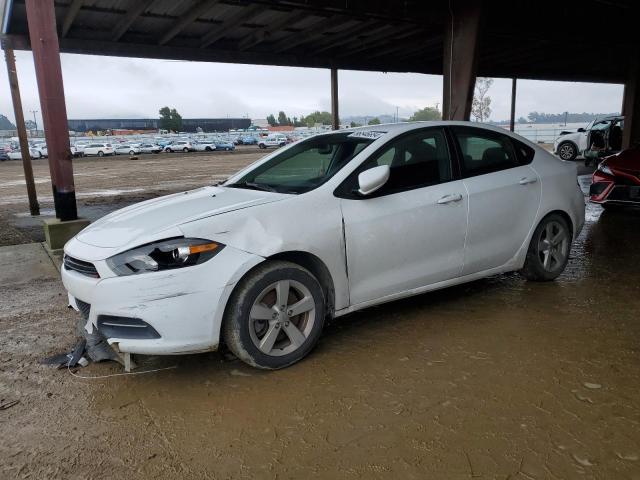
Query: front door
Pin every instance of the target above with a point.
(410, 233)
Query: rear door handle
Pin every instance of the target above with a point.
(528, 180)
(456, 197)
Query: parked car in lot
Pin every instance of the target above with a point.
(246, 140)
(180, 146)
(616, 182)
(403, 208)
(16, 154)
(204, 145)
(271, 141)
(42, 148)
(225, 145)
(150, 148)
(80, 149)
(599, 138)
(4, 156)
(99, 149)
(127, 149)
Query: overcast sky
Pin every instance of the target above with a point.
(98, 87)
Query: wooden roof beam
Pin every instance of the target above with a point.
(136, 10)
(263, 33)
(339, 38)
(318, 29)
(233, 21)
(199, 9)
(374, 40)
(70, 16)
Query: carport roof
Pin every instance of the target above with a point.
(588, 40)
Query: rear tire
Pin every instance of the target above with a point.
(261, 326)
(185, 150)
(101, 153)
(548, 252)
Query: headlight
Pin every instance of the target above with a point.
(164, 255)
(605, 169)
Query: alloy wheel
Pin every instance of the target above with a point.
(553, 246)
(566, 152)
(282, 318)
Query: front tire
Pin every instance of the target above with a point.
(548, 252)
(185, 150)
(567, 151)
(275, 316)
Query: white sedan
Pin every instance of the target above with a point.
(17, 153)
(324, 227)
(150, 148)
(127, 149)
(204, 145)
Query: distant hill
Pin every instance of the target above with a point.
(5, 124)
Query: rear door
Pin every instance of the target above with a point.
(504, 196)
(411, 232)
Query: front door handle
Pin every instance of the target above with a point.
(528, 180)
(456, 197)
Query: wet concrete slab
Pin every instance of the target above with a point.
(500, 378)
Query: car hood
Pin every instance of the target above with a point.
(160, 217)
(627, 160)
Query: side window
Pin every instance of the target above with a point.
(416, 160)
(484, 151)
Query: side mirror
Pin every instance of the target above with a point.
(373, 179)
(581, 130)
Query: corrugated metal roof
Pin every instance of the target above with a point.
(546, 39)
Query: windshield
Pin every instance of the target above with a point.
(305, 165)
(601, 125)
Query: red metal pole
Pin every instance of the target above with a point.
(34, 208)
(335, 116)
(460, 58)
(46, 55)
(512, 121)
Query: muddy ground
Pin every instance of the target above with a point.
(500, 378)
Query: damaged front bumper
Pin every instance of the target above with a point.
(168, 312)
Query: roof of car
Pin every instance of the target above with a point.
(401, 127)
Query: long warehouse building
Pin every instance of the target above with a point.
(188, 124)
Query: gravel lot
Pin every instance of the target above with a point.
(499, 378)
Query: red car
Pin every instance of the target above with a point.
(617, 180)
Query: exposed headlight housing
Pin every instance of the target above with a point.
(164, 255)
(605, 169)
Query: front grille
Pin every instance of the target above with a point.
(80, 266)
(84, 308)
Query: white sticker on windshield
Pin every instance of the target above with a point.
(372, 134)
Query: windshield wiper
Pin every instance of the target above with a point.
(254, 186)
